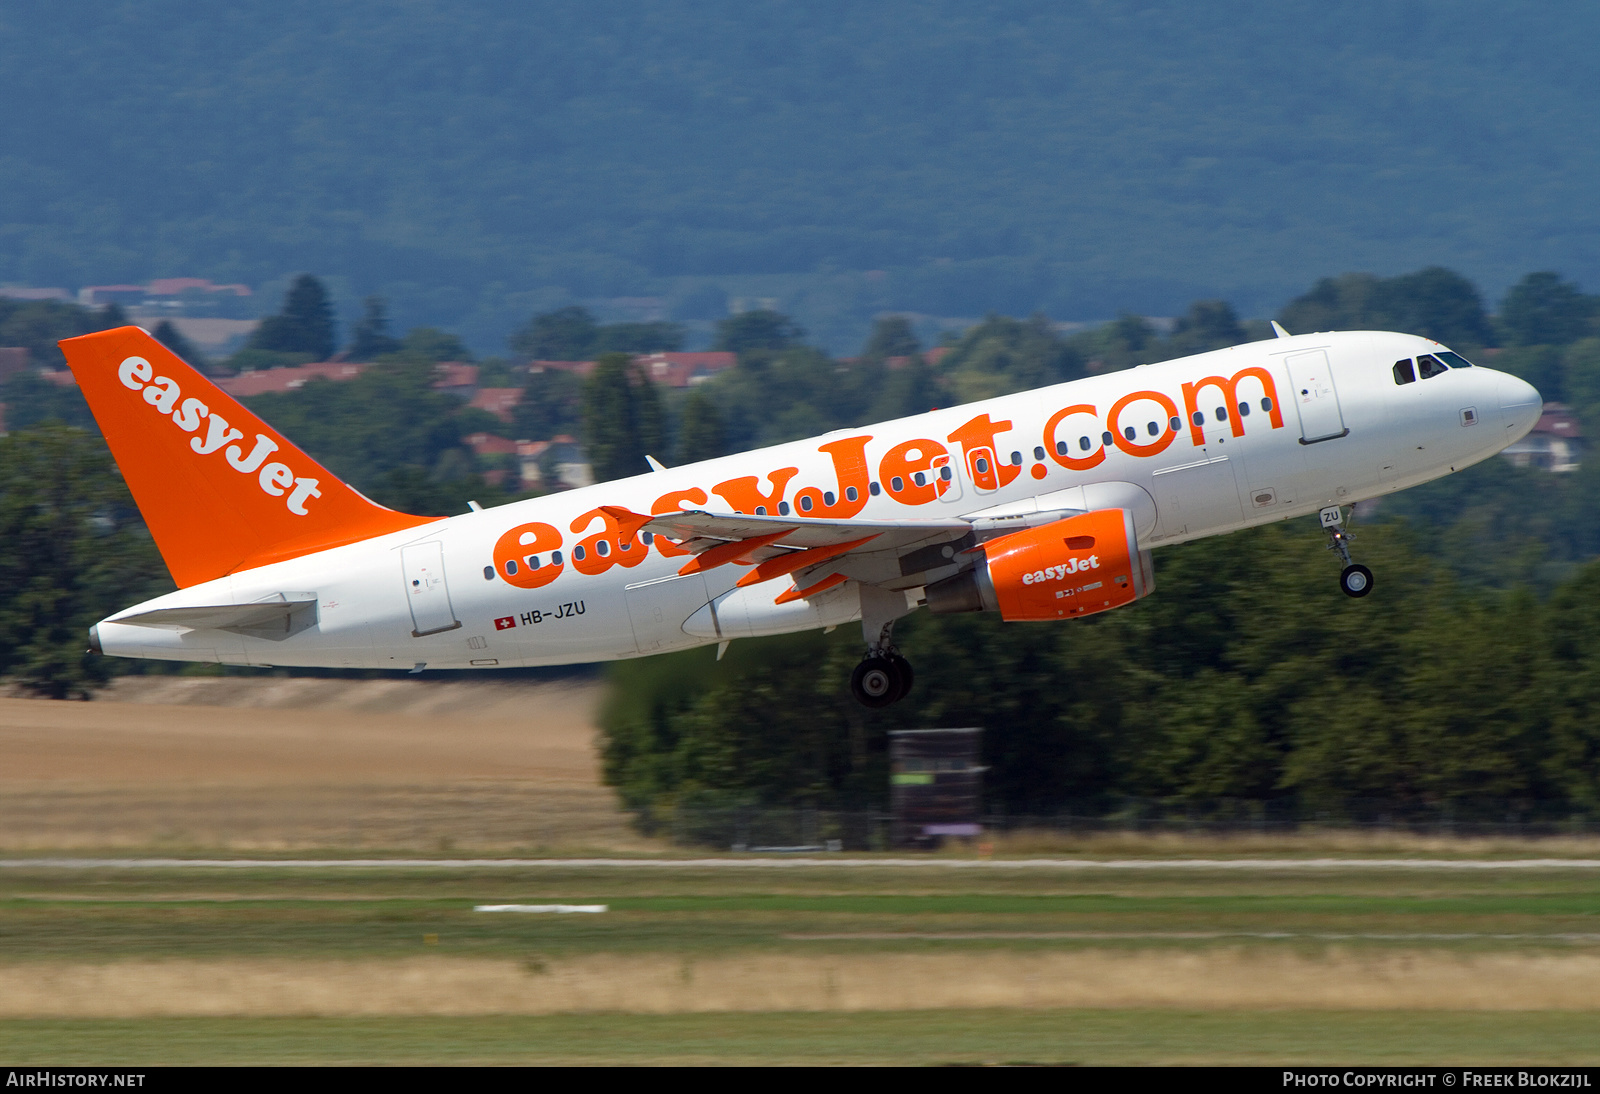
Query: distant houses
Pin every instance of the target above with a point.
(1556, 444)
(216, 319)
(279, 381)
(667, 369)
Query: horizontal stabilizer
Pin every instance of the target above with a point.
(274, 619)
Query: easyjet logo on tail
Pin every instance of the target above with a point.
(164, 395)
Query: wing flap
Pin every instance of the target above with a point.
(820, 553)
(688, 527)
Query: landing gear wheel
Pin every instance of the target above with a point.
(904, 674)
(875, 683)
(1356, 580)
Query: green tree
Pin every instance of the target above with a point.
(638, 337)
(566, 334)
(1580, 378)
(913, 389)
(1434, 302)
(37, 325)
(1207, 325)
(700, 432)
(754, 331)
(76, 551)
(30, 399)
(1542, 309)
(613, 425)
(1002, 355)
(385, 432)
(171, 337)
(431, 345)
(304, 326)
(648, 413)
(370, 339)
(891, 336)
(551, 405)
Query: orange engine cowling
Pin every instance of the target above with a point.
(1077, 566)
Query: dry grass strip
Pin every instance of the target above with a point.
(438, 984)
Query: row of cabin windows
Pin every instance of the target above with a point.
(602, 548)
(1153, 428)
(1428, 365)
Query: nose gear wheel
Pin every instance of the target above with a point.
(1355, 579)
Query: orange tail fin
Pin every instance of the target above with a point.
(219, 489)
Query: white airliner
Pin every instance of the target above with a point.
(1042, 506)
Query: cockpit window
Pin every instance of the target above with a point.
(1454, 360)
(1404, 373)
(1430, 366)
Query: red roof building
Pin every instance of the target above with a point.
(685, 369)
(580, 368)
(487, 444)
(1555, 443)
(279, 380)
(499, 401)
(456, 378)
(13, 359)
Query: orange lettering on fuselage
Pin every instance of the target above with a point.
(850, 469)
(672, 502)
(1230, 393)
(745, 496)
(1165, 435)
(977, 441)
(607, 547)
(1052, 446)
(516, 555)
(902, 463)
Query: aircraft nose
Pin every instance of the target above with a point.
(1520, 403)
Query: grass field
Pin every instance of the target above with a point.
(866, 965)
(924, 1037)
(861, 964)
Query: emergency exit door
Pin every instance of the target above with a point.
(426, 591)
(1315, 397)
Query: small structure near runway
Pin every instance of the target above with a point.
(935, 785)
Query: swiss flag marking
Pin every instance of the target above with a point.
(505, 623)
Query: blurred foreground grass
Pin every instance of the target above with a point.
(386, 964)
(921, 1037)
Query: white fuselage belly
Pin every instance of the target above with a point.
(373, 608)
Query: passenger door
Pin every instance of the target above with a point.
(1315, 397)
(426, 591)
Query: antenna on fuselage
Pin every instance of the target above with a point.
(1281, 332)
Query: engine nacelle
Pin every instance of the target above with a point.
(1078, 566)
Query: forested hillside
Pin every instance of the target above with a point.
(478, 163)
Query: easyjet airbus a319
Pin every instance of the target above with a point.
(1041, 506)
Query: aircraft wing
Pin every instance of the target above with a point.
(819, 553)
(697, 531)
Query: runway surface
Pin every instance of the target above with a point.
(799, 863)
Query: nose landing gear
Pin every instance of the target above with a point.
(1355, 579)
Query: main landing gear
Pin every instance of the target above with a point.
(883, 677)
(1355, 579)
